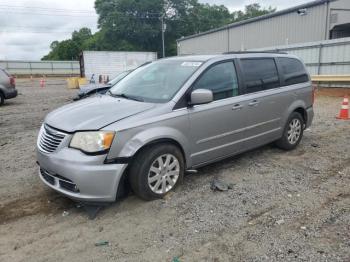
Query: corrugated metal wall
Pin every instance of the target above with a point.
(213, 43)
(329, 57)
(41, 67)
(286, 28)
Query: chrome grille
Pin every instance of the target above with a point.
(50, 139)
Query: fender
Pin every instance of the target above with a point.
(296, 104)
(155, 134)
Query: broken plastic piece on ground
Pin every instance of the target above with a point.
(102, 243)
(65, 213)
(220, 185)
(92, 210)
(280, 222)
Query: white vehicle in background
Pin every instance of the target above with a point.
(103, 65)
(97, 88)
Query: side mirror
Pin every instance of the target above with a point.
(201, 96)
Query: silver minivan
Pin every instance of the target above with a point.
(170, 116)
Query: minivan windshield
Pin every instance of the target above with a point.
(118, 78)
(156, 82)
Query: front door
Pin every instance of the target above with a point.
(216, 128)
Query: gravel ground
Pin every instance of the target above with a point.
(284, 206)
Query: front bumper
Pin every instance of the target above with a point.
(80, 177)
(10, 93)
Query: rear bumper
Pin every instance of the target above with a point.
(310, 116)
(10, 93)
(80, 177)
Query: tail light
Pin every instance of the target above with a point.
(12, 81)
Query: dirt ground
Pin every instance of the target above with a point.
(284, 206)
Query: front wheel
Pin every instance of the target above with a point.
(293, 132)
(156, 170)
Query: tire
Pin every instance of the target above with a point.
(2, 99)
(293, 132)
(148, 172)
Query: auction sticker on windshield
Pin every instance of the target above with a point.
(192, 64)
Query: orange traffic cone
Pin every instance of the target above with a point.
(344, 111)
(42, 82)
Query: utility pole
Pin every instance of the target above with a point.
(163, 31)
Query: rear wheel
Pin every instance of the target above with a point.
(293, 132)
(156, 170)
(2, 99)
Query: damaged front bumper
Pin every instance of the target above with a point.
(79, 176)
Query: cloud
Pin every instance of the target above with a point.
(27, 27)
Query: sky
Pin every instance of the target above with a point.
(27, 27)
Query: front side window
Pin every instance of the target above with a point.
(221, 79)
(293, 71)
(260, 74)
(156, 82)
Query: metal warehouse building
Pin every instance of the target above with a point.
(311, 22)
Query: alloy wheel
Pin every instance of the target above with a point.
(163, 174)
(294, 131)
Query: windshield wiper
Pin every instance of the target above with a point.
(126, 96)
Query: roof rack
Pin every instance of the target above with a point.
(254, 52)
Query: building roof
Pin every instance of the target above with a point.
(259, 18)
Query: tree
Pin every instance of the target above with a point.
(251, 11)
(138, 22)
(135, 25)
(71, 48)
(130, 24)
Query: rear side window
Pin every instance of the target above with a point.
(293, 71)
(260, 74)
(221, 79)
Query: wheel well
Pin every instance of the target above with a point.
(124, 187)
(3, 97)
(303, 113)
(162, 141)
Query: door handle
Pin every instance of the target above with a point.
(237, 107)
(254, 103)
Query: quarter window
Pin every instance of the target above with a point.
(260, 74)
(293, 71)
(221, 79)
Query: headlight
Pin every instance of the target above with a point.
(92, 142)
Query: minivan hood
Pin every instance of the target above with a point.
(94, 113)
